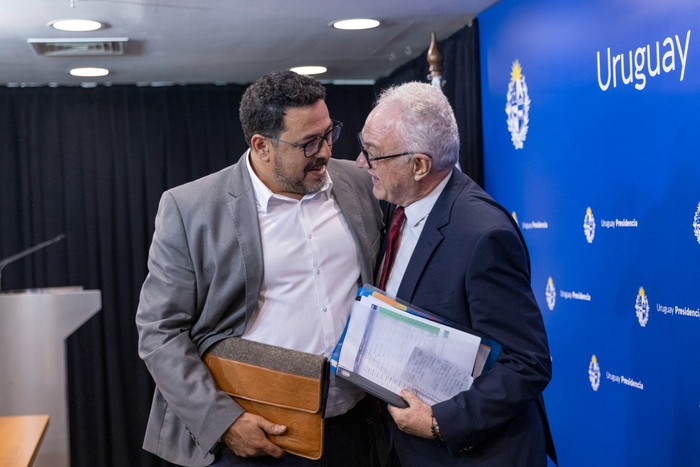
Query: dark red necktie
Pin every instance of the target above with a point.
(392, 245)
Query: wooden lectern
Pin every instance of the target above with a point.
(33, 328)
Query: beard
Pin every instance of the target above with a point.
(298, 185)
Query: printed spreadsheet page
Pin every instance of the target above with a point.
(398, 350)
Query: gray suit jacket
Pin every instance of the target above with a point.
(205, 274)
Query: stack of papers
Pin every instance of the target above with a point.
(388, 346)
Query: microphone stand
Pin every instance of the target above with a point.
(26, 252)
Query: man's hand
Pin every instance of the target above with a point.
(246, 437)
(416, 419)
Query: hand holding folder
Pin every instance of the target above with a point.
(284, 386)
(388, 346)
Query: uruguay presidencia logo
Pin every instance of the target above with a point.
(517, 106)
(696, 223)
(589, 225)
(551, 294)
(594, 373)
(641, 307)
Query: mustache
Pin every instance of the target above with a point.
(317, 164)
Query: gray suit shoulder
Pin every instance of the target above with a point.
(203, 184)
(351, 173)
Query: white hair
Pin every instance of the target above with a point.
(426, 122)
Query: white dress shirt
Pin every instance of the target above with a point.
(311, 275)
(416, 215)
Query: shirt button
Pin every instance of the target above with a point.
(317, 271)
(310, 236)
(325, 308)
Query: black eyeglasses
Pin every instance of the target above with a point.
(313, 147)
(378, 158)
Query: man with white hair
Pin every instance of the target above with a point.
(462, 257)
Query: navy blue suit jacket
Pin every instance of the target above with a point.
(471, 266)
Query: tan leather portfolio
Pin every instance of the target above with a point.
(284, 386)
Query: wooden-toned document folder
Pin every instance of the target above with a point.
(284, 386)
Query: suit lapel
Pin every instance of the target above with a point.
(430, 237)
(244, 215)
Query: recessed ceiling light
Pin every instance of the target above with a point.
(309, 70)
(91, 72)
(75, 25)
(355, 24)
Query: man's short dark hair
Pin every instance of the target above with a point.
(265, 102)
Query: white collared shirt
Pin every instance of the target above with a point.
(311, 275)
(416, 215)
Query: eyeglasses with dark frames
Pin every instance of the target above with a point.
(313, 147)
(369, 159)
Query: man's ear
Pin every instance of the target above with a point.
(422, 164)
(260, 147)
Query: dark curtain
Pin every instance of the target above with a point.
(92, 163)
(461, 74)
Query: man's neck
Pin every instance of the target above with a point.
(427, 184)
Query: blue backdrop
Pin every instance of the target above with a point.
(591, 123)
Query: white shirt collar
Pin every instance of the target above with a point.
(419, 210)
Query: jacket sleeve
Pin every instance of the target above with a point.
(165, 317)
(501, 306)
